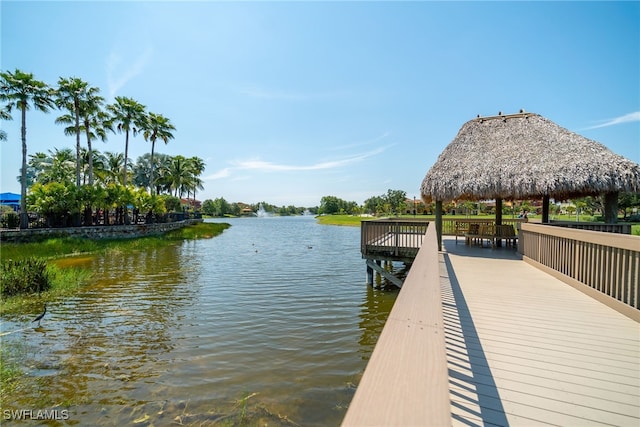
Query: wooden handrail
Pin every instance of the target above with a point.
(406, 381)
(605, 266)
(391, 239)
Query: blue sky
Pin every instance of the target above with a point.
(290, 101)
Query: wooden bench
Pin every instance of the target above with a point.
(478, 233)
(465, 228)
(506, 233)
(461, 229)
(475, 234)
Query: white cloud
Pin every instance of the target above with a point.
(118, 76)
(631, 117)
(264, 166)
(275, 167)
(359, 144)
(218, 175)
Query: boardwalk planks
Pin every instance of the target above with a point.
(406, 380)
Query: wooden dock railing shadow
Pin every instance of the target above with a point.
(605, 266)
(475, 399)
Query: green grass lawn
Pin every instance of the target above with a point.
(341, 220)
(69, 246)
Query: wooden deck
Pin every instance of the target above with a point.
(522, 348)
(525, 348)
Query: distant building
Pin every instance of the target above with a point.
(10, 199)
(194, 203)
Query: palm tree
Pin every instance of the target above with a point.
(37, 163)
(177, 175)
(90, 162)
(141, 171)
(99, 165)
(128, 115)
(161, 173)
(114, 163)
(70, 94)
(57, 166)
(156, 127)
(94, 119)
(196, 167)
(21, 90)
(4, 115)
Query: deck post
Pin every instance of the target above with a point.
(545, 209)
(498, 243)
(611, 208)
(439, 223)
(369, 275)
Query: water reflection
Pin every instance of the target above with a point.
(375, 310)
(269, 323)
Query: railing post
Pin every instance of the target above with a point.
(439, 223)
(396, 237)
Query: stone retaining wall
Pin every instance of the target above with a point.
(95, 232)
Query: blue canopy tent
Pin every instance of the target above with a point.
(10, 199)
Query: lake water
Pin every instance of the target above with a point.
(269, 323)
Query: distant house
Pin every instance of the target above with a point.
(245, 209)
(413, 206)
(194, 203)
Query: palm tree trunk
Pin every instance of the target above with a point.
(127, 220)
(126, 155)
(24, 217)
(76, 110)
(151, 183)
(89, 152)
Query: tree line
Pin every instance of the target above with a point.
(87, 177)
(391, 203)
(395, 202)
(221, 207)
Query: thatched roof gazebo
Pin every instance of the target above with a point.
(525, 156)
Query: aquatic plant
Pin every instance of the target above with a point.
(28, 275)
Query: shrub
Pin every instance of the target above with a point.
(10, 220)
(633, 218)
(24, 276)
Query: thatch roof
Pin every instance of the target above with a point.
(521, 156)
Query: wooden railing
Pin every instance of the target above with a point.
(621, 227)
(397, 239)
(603, 265)
(450, 226)
(406, 382)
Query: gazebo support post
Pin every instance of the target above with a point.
(611, 208)
(545, 209)
(439, 223)
(498, 218)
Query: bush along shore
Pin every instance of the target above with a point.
(29, 275)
